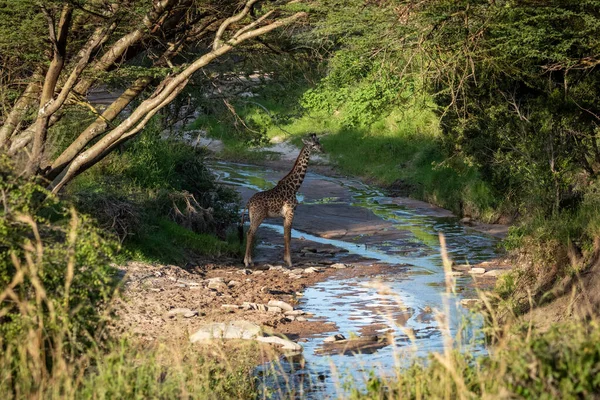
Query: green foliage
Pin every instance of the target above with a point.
(560, 363)
(153, 181)
(41, 240)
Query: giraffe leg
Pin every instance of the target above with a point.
(287, 236)
(255, 220)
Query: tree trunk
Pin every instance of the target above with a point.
(167, 90)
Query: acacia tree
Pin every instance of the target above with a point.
(88, 39)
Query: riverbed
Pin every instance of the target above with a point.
(407, 306)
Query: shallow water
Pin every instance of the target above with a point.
(408, 302)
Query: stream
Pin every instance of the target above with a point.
(407, 302)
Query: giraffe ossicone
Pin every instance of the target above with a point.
(279, 201)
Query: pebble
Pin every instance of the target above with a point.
(244, 271)
(338, 266)
(495, 272)
(301, 319)
(217, 285)
(230, 306)
(233, 283)
(294, 312)
(468, 303)
(477, 270)
(311, 270)
(281, 304)
(334, 338)
(186, 312)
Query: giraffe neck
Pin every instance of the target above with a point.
(295, 177)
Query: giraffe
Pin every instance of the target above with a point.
(279, 201)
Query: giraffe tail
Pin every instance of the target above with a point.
(241, 227)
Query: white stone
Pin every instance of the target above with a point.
(178, 311)
(495, 272)
(274, 309)
(477, 270)
(338, 266)
(334, 338)
(281, 304)
(285, 343)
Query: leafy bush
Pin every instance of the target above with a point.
(55, 268)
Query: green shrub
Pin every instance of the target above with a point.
(55, 282)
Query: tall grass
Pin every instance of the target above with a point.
(49, 359)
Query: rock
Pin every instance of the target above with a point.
(189, 283)
(427, 309)
(297, 271)
(234, 330)
(285, 343)
(477, 270)
(467, 221)
(233, 283)
(276, 268)
(338, 266)
(217, 285)
(294, 312)
(462, 267)
(281, 304)
(334, 338)
(258, 272)
(290, 318)
(155, 289)
(261, 307)
(190, 314)
(244, 271)
(470, 303)
(495, 272)
(172, 313)
(294, 276)
(301, 319)
(308, 250)
(217, 279)
(274, 309)
(311, 270)
(230, 306)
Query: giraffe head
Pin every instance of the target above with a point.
(313, 143)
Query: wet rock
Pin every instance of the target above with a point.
(308, 250)
(339, 266)
(334, 338)
(284, 343)
(477, 270)
(281, 304)
(467, 221)
(233, 330)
